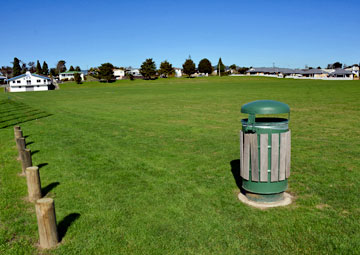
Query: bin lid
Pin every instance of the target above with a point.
(265, 107)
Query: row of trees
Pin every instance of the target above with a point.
(23, 68)
(149, 71)
(19, 67)
(148, 67)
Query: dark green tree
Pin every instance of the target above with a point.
(77, 68)
(38, 67)
(148, 69)
(16, 67)
(71, 69)
(106, 72)
(61, 67)
(45, 68)
(77, 78)
(233, 67)
(220, 66)
(53, 72)
(337, 65)
(205, 66)
(32, 68)
(23, 68)
(189, 67)
(166, 69)
(242, 70)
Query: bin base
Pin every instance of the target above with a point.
(264, 201)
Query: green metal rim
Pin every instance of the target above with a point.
(265, 187)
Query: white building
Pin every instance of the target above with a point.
(134, 71)
(119, 74)
(29, 82)
(341, 73)
(354, 69)
(70, 75)
(178, 72)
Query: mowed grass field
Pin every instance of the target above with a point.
(143, 167)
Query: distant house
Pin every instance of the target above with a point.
(119, 74)
(178, 72)
(354, 69)
(341, 73)
(134, 71)
(272, 71)
(70, 75)
(2, 78)
(29, 82)
(315, 73)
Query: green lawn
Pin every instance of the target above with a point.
(143, 167)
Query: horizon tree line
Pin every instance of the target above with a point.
(20, 67)
(148, 68)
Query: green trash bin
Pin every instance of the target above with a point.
(265, 150)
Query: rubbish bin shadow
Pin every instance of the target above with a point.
(235, 170)
(65, 223)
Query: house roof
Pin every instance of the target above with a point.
(17, 77)
(315, 71)
(341, 72)
(29, 74)
(71, 72)
(41, 76)
(2, 76)
(272, 70)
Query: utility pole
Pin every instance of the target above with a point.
(219, 69)
(7, 84)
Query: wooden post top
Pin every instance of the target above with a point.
(32, 168)
(45, 200)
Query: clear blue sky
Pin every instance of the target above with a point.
(125, 33)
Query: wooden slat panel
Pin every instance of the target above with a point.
(274, 157)
(246, 157)
(288, 154)
(264, 160)
(254, 157)
(241, 153)
(282, 156)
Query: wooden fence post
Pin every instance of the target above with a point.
(17, 132)
(26, 160)
(21, 145)
(33, 183)
(46, 218)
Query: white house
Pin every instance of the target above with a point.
(119, 73)
(134, 71)
(70, 75)
(29, 82)
(178, 72)
(341, 73)
(354, 69)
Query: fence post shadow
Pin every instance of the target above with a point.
(65, 223)
(45, 190)
(42, 164)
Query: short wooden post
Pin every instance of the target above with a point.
(17, 132)
(46, 219)
(20, 144)
(26, 160)
(33, 183)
